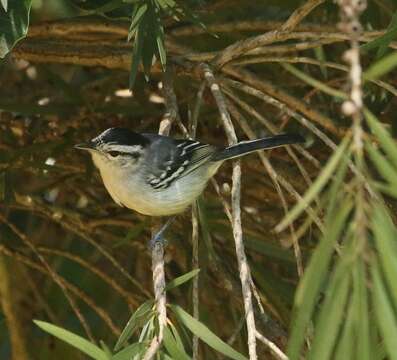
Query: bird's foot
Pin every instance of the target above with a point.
(158, 238)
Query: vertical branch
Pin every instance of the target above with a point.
(195, 226)
(350, 12)
(245, 274)
(9, 308)
(170, 116)
(195, 265)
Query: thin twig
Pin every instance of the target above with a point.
(241, 47)
(195, 225)
(158, 249)
(276, 351)
(102, 314)
(57, 279)
(236, 213)
(79, 229)
(247, 129)
(95, 270)
(299, 14)
(10, 310)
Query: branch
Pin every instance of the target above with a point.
(57, 279)
(245, 274)
(241, 47)
(9, 308)
(158, 249)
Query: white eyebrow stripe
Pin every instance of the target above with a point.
(122, 148)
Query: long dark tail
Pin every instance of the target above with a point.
(246, 147)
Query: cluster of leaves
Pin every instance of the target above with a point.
(14, 23)
(358, 245)
(346, 302)
(147, 31)
(145, 318)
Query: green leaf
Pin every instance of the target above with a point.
(205, 334)
(76, 341)
(317, 186)
(273, 251)
(361, 314)
(160, 46)
(381, 67)
(388, 189)
(4, 4)
(313, 278)
(136, 57)
(382, 164)
(382, 42)
(321, 56)
(314, 82)
(172, 346)
(384, 312)
(385, 239)
(176, 336)
(182, 279)
(332, 311)
(136, 18)
(130, 351)
(138, 317)
(14, 23)
(386, 141)
(345, 347)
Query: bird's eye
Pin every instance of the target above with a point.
(114, 153)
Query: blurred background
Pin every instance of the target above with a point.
(65, 83)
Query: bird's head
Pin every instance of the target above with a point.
(116, 149)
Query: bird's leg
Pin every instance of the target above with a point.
(158, 237)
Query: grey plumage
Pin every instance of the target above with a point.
(158, 175)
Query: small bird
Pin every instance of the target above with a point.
(160, 176)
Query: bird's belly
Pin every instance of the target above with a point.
(157, 202)
(163, 202)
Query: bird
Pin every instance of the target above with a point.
(159, 175)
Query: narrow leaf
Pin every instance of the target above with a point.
(384, 313)
(345, 347)
(385, 240)
(140, 315)
(382, 42)
(360, 304)
(130, 351)
(76, 341)
(381, 67)
(137, 17)
(331, 314)
(386, 141)
(14, 23)
(205, 334)
(317, 186)
(136, 58)
(182, 279)
(172, 347)
(314, 276)
(382, 164)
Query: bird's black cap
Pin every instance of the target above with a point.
(120, 136)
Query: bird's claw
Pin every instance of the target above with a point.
(157, 239)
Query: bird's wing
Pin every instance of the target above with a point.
(177, 159)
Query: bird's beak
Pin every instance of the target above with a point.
(85, 146)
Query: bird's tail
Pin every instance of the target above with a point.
(246, 147)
